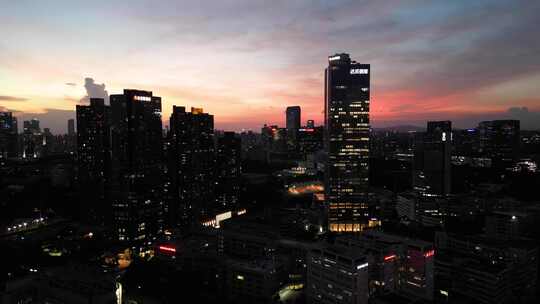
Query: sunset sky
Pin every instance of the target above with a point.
(245, 61)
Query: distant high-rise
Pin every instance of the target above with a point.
(8, 135)
(137, 165)
(310, 124)
(293, 122)
(32, 138)
(347, 130)
(94, 156)
(229, 171)
(71, 127)
(32, 126)
(500, 140)
(192, 165)
(293, 117)
(432, 159)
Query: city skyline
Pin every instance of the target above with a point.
(433, 61)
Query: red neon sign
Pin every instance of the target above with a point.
(429, 253)
(389, 257)
(167, 249)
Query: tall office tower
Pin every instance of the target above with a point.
(500, 140)
(137, 165)
(192, 166)
(347, 87)
(229, 171)
(432, 159)
(310, 124)
(94, 158)
(71, 127)
(8, 135)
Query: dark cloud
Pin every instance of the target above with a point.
(12, 98)
(94, 90)
(529, 120)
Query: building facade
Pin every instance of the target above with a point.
(228, 171)
(500, 140)
(192, 166)
(137, 167)
(94, 156)
(432, 162)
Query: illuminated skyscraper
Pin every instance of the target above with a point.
(93, 156)
(347, 129)
(137, 167)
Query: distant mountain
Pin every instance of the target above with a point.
(401, 128)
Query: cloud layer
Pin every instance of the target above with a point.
(11, 98)
(245, 61)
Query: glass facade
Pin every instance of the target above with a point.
(347, 130)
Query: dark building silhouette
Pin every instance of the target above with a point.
(347, 94)
(478, 269)
(293, 122)
(8, 135)
(71, 127)
(32, 138)
(293, 118)
(228, 171)
(137, 165)
(310, 139)
(192, 166)
(71, 138)
(94, 157)
(432, 159)
(500, 140)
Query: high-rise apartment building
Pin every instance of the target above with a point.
(228, 171)
(192, 165)
(94, 157)
(347, 130)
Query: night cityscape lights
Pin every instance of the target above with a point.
(263, 152)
